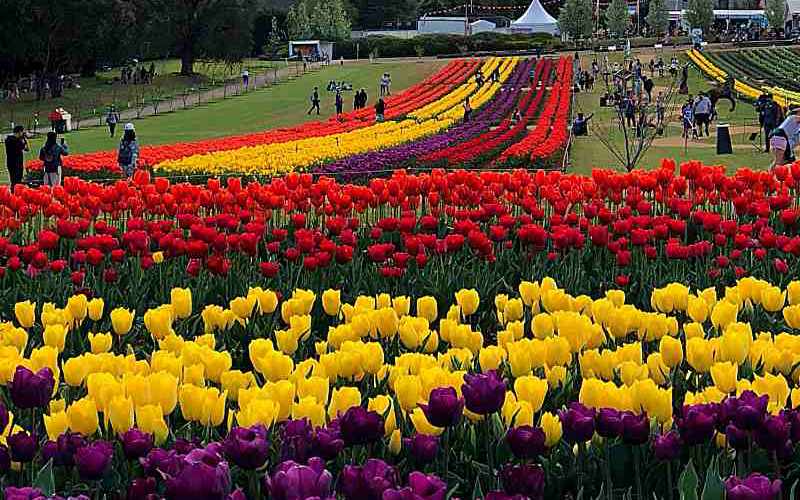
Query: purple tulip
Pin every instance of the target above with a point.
(238, 494)
(444, 407)
(773, 433)
(328, 443)
(420, 487)
(32, 390)
(753, 487)
(635, 428)
(360, 426)
(5, 459)
(484, 393)
(422, 447)
(136, 443)
(4, 418)
(27, 493)
(203, 475)
(93, 459)
(184, 446)
(577, 423)
(525, 479)
(292, 481)
(747, 411)
(737, 438)
(368, 481)
(22, 446)
(142, 488)
(501, 495)
(609, 423)
(62, 450)
(667, 446)
(526, 441)
(161, 462)
(296, 440)
(697, 423)
(247, 447)
(793, 416)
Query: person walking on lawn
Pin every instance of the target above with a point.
(314, 101)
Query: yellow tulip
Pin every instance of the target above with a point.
(793, 292)
(529, 292)
(233, 381)
(242, 307)
(551, 425)
(258, 411)
(343, 399)
(25, 313)
(55, 336)
(316, 387)
(699, 355)
(181, 300)
(491, 357)
(121, 320)
(772, 298)
(120, 413)
(401, 305)
(150, 419)
(408, 389)
(138, 388)
(422, 425)
(531, 389)
(56, 424)
(724, 376)
(274, 365)
(164, 390)
(95, 308)
(427, 308)
(723, 314)
(331, 302)
(267, 300)
(82, 416)
(311, 409)
(543, 326)
(697, 308)
(382, 405)
(100, 342)
(77, 305)
(396, 442)
(671, 351)
(158, 257)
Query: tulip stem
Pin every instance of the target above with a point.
(637, 464)
(669, 479)
(607, 471)
(446, 439)
(776, 464)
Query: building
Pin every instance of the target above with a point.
(443, 25)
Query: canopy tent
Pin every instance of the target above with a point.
(535, 20)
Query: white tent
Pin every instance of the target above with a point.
(535, 20)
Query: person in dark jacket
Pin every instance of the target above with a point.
(380, 109)
(16, 146)
(50, 155)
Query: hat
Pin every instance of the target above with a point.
(129, 126)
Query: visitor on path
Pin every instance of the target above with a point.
(152, 72)
(111, 120)
(687, 115)
(50, 155)
(16, 146)
(479, 78)
(384, 84)
(531, 75)
(579, 125)
(648, 88)
(467, 109)
(660, 108)
(245, 78)
(388, 84)
(380, 109)
(128, 153)
(629, 109)
(314, 101)
(769, 116)
(790, 130)
(339, 103)
(660, 66)
(652, 66)
(496, 75)
(702, 113)
(516, 117)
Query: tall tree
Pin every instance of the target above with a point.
(617, 17)
(324, 19)
(657, 17)
(775, 12)
(700, 14)
(575, 18)
(203, 29)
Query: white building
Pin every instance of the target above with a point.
(443, 25)
(481, 26)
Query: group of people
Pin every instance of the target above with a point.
(696, 115)
(137, 74)
(360, 99)
(782, 134)
(54, 149)
(386, 84)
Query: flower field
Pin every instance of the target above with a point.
(457, 333)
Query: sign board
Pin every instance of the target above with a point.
(659, 45)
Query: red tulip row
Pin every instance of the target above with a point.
(410, 99)
(550, 132)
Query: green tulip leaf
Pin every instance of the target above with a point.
(688, 482)
(45, 480)
(714, 488)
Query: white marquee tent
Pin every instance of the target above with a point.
(535, 20)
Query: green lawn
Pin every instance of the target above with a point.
(282, 105)
(589, 152)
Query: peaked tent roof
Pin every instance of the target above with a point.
(536, 19)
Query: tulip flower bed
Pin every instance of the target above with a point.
(430, 90)
(334, 394)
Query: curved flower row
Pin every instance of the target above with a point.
(719, 75)
(278, 394)
(280, 158)
(433, 88)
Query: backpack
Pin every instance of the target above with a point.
(125, 155)
(50, 160)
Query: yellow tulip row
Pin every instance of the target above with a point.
(279, 158)
(627, 357)
(719, 75)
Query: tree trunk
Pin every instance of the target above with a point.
(187, 63)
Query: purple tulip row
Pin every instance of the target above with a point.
(498, 108)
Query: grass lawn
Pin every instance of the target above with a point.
(589, 152)
(278, 106)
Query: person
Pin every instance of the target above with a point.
(673, 67)
(16, 146)
(479, 78)
(339, 103)
(648, 88)
(660, 108)
(516, 117)
(579, 125)
(687, 116)
(531, 75)
(356, 100)
(383, 85)
(364, 98)
(380, 109)
(629, 107)
(660, 65)
(790, 130)
(246, 78)
(314, 101)
(128, 152)
(496, 74)
(152, 71)
(702, 113)
(50, 155)
(652, 65)
(769, 115)
(467, 109)
(111, 120)
(388, 84)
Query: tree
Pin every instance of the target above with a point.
(203, 29)
(700, 14)
(617, 17)
(775, 12)
(323, 19)
(657, 17)
(575, 18)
